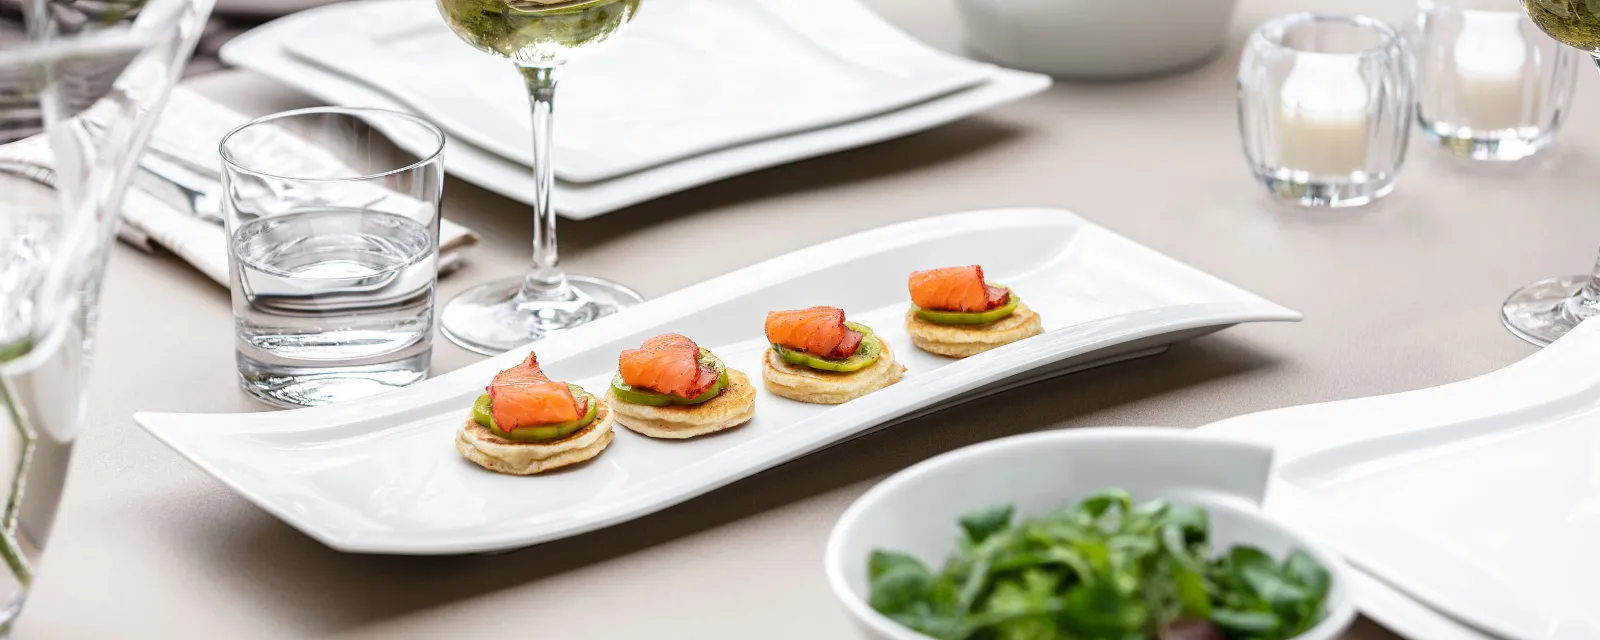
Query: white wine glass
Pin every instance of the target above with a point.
(1546, 310)
(538, 36)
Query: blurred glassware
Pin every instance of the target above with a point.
(1325, 108)
(333, 251)
(1490, 86)
(81, 82)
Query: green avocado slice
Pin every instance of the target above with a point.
(483, 413)
(869, 351)
(630, 395)
(970, 317)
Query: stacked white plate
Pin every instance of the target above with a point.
(695, 91)
(1471, 510)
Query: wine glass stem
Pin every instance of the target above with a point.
(1587, 303)
(545, 280)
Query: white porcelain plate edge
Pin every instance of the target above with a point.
(353, 41)
(1217, 305)
(1554, 375)
(261, 50)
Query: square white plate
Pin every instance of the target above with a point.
(382, 475)
(1477, 504)
(263, 50)
(689, 76)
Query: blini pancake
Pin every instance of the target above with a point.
(477, 443)
(798, 382)
(963, 340)
(731, 408)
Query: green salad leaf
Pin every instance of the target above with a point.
(1103, 569)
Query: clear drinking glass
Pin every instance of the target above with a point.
(333, 251)
(538, 36)
(1546, 310)
(1325, 108)
(81, 83)
(1490, 86)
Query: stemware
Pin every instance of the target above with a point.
(1546, 310)
(81, 82)
(539, 36)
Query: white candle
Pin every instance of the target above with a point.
(1322, 125)
(1490, 55)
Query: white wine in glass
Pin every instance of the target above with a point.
(538, 36)
(1546, 310)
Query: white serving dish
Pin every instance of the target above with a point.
(916, 510)
(1471, 504)
(1095, 39)
(381, 475)
(688, 77)
(264, 51)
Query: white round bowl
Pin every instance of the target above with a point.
(915, 511)
(1097, 39)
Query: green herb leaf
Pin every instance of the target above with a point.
(979, 525)
(1272, 587)
(1304, 571)
(1100, 612)
(1250, 624)
(881, 562)
(1244, 556)
(1104, 569)
(1030, 628)
(1194, 522)
(1177, 548)
(1098, 504)
(1191, 591)
(1015, 560)
(897, 582)
(933, 624)
(1033, 594)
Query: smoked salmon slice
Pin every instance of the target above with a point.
(956, 289)
(668, 363)
(819, 331)
(523, 396)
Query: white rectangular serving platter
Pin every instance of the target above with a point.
(688, 77)
(382, 475)
(1474, 507)
(265, 51)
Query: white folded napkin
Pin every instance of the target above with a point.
(191, 126)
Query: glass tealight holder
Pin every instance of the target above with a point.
(1490, 85)
(1325, 108)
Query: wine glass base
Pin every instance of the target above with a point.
(1542, 312)
(489, 319)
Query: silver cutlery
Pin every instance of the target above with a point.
(177, 186)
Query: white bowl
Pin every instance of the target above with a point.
(1097, 39)
(915, 511)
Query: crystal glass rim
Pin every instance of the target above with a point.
(1271, 33)
(357, 112)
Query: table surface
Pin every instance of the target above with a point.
(1397, 296)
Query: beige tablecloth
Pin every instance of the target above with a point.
(1399, 296)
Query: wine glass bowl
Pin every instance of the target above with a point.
(1544, 311)
(533, 32)
(1574, 23)
(538, 36)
